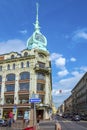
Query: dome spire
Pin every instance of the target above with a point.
(37, 27)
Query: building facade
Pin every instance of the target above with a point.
(25, 73)
(79, 96)
(68, 105)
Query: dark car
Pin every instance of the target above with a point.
(76, 118)
(3, 122)
(84, 117)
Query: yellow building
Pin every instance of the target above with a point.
(23, 73)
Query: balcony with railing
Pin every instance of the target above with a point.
(42, 68)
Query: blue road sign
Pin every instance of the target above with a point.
(37, 100)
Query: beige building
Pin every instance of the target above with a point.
(79, 96)
(68, 105)
(25, 73)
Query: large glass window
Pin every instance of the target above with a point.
(40, 76)
(0, 78)
(24, 75)
(24, 86)
(40, 87)
(10, 77)
(10, 87)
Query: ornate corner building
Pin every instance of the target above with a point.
(23, 73)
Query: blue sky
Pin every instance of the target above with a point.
(64, 24)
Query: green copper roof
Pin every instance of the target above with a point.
(37, 40)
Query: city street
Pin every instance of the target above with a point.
(72, 125)
(65, 125)
(51, 125)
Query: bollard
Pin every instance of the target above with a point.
(58, 126)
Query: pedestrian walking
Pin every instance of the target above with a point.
(11, 118)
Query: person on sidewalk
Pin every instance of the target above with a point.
(11, 118)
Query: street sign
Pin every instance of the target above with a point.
(33, 100)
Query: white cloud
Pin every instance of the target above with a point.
(55, 56)
(83, 68)
(23, 31)
(65, 85)
(73, 59)
(80, 34)
(60, 62)
(75, 73)
(15, 45)
(63, 73)
(70, 82)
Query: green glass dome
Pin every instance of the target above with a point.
(37, 40)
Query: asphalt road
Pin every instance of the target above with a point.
(72, 125)
(47, 125)
(50, 125)
(65, 125)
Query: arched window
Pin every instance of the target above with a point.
(10, 77)
(27, 63)
(25, 54)
(22, 65)
(8, 67)
(12, 56)
(24, 75)
(40, 76)
(13, 66)
(0, 78)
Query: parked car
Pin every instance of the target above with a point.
(76, 118)
(84, 117)
(3, 122)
